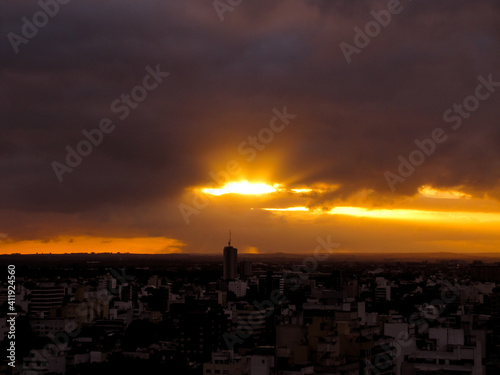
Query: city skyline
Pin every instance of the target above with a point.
(92, 314)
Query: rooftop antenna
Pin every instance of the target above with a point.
(229, 243)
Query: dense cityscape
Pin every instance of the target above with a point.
(251, 315)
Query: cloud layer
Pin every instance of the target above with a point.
(353, 120)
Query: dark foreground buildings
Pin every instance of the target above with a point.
(188, 316)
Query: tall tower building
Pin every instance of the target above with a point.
(230, 261)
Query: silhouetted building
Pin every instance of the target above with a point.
(129, 292)
(485, 272)
(158, 299)
(337, 280)
(245, 269)
(44, 299)
(269, 283)
(230, 262)
(201, 329)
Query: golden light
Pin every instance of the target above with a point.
(316, 188)
(429, 192)
(454, 217)
(399, 214)
(242, 187)
(289, 209)
(87, 244)
(298, 191)
(251, 250)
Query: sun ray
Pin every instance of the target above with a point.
(462, 218)
(242, 187)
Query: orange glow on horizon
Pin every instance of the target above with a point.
(251, 250)
(85, 244)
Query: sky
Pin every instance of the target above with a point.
(158, 126)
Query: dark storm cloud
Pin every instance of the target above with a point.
(225, 78)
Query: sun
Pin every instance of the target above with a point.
(242, 187)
